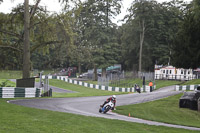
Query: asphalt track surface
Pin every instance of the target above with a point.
(89, 106)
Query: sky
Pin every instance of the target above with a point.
(54, 6)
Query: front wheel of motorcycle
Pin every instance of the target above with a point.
(107, 109)
(100, 110)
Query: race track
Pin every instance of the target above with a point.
(89, 106)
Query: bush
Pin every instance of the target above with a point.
(6, 83)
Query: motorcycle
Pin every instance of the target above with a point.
(137, 88)
(108, 106)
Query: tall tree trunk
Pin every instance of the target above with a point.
(79, 68)
(103, 74)
(95, 72)
(26, 50)
(142, 26)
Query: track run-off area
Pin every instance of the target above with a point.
(89, 106)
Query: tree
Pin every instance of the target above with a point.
(141, 12)
(10, 50)
(97, 30)
(153, 24)
(141, 18)
(186, 45)
(44, 31)
(52, 39)
(26, 49)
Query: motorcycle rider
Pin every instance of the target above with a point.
(113, 99)
(137, 88)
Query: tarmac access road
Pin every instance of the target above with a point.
(89, 106)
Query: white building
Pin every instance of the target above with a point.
(170, 72)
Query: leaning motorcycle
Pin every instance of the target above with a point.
(138, 89)
(108, 106)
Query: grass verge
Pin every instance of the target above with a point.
(81, 91)
(17, 74)
(131, 82)
(192, 82)
(126, 83)
(19, 119)
(6, 83)
(165, 110)
(164, 83)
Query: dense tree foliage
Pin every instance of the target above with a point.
(96, 33)
(98, 30)
(186, 46)
(149, 32)
(85, 36)
(47, 32)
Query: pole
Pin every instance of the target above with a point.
(144, 83)
(40, 79)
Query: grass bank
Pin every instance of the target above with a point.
(165, 110)
(6, 83)
(19, 119)
(131, 82)
(81, 91)
(192, 82)
(17, 74)
(158, 83)
(164, 83)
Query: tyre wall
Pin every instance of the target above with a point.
(186, 87)
(12, 92)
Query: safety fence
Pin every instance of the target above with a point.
(100, 87)
(12, 92)
(186, 87)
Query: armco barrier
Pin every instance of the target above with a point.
(100, 87)
(186, 87)
(12, 92)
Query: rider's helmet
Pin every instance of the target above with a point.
(113, 97)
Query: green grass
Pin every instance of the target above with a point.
(121, 83)
(126, 83)
(91, 82)
(192, 82)
(9, 74)
(14, 74)
(6, 83)
(81, 90)
(159, 83)
(19, 119)
(164, 83)
(165, 110)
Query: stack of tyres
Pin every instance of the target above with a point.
(190, 100)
